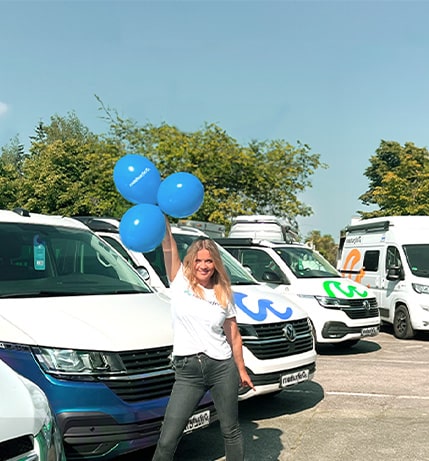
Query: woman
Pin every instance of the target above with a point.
(207, 346)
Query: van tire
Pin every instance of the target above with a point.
(402, 327)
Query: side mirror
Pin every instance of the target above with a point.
(144, 273)
(394, 273)
(271, 277)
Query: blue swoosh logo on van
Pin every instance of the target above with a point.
(264, 305)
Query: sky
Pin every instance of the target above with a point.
(340, 76)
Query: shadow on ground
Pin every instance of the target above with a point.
(265, 442)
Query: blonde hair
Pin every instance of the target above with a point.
(221, 283)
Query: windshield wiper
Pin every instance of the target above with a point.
(41, 294)
(244, 282)
(53, 293)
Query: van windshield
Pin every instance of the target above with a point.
(306, 263)
(40, 260)
(237, 273)
(418, 259)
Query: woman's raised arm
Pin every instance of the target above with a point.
(171, 253)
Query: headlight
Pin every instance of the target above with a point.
(47, 440)
(421, 289)
(331, 303)
(78, 364)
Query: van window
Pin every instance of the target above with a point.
(418, 258)
(371, 260)
(306, 263)
(61, 261)
(259, 262)
(119, 248)
(393, 258)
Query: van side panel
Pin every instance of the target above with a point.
(375, 253)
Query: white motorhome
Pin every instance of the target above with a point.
(278, 344)
(391, 256)
(264, 227)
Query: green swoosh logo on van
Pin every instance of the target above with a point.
(349, 292)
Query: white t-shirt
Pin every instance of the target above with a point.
(197, 323)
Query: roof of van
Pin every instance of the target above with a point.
(249, 241)
(101, 223)
(20, 215)
(382, 223)
(256, 218)
(107, 224)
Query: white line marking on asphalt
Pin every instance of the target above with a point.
(410, 362)
(363, 394)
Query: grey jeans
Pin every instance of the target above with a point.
(194, 376)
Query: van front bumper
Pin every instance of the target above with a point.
(339, 331)
(276, 381)
(98, 435)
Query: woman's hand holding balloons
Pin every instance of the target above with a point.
(179, 195)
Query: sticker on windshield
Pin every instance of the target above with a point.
(39, 252)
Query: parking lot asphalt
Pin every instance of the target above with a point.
(370, 402)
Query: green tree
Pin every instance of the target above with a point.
(12, 156)
(69, 171)
(324, 244)
(262, 177)
(13, 153)
(398, 180)
(9, 180)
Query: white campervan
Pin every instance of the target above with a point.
(278, 344)
(391, 255)
(80, 323)
(342, 312)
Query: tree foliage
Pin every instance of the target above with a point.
(325, 245)
(262, 177)
(69, 170)
(13, 153)
(12, 157)
(398, 180)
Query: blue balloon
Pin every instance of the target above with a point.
(137, 179)
(142, 227)
(180, 195)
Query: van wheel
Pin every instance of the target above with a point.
(402, 328)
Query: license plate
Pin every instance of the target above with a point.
(294, 378)
(370, 331)
(197, 421)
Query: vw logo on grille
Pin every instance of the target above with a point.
(289, 332)
(366, 304)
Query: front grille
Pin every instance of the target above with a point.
(17, 448)
(357, 309)
(148, 375)
(147, 360)
(271, 342)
